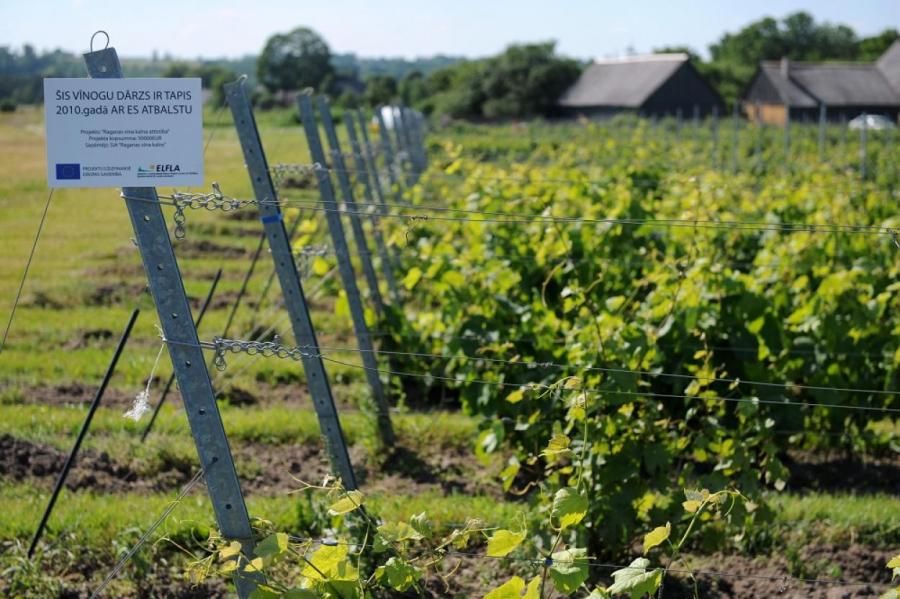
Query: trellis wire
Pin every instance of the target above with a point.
(146, 536)
(37, 236)
(222, 346)
(585, 367)
(645, 394)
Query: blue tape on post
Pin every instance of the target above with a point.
(272, 218)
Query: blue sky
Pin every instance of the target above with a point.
(583, 28)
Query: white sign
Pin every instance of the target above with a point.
(124, 132)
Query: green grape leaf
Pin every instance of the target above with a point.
(273, 545)
(412, 277)
(516, 396)
(635, 579)
(421, 525)
(511, 589)
(231, 550)
(656, 536)
(346, 504)
(558, 446)
(502, 542)
(569, 507)
(569, 569)
(398, 574)
(296, 593)
(398, 532)
(533, 590)
(265, 592)
(320, 266)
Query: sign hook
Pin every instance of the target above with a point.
(96, 33)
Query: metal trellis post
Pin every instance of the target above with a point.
(343, 177)
(787, 135)
(345, 268)
(167, 288)
(171, 381)
(389, 156)
(736, 136)
(823, 112)
(286, 269)
(362, 175)
(373, 171)
(863, 146)
(714, 132)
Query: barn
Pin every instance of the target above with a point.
(798, 89)
(650, 85)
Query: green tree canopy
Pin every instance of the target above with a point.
(525, 80)
(294, 60)
(380, 89)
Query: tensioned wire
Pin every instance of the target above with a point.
(563, 340)
(146, 536)
(589, 368)
(18, 297)
(498, 217)
(600, 392)
(310, 352)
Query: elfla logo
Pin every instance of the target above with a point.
(160, 168)
(68, 171)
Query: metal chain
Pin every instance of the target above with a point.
(267, 349)
(215, 200)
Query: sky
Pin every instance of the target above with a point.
(407, 28)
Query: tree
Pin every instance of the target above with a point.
(294, 60)
(871, 48)
(412, 88)
(380, 89)
(526, 80)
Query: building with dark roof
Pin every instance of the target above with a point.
(845, 89)
(651, 85)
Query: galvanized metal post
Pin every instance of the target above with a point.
(168, 386)
(167, 289)
(373, 172)
(678, 118)
(411, 123)
(787, 135)
(389, 156)
(696, 123)
(286, 268)
(419, 134)
(345, 268)
(343, 177)
(863, 146)
(362, 175)
(822, 122)
(714, 131)
(370, 159)
(407, 164)
(735, 136)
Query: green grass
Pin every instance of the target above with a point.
(840, 517)
(275, 425)
(97, 520)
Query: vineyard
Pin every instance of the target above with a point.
(624, 358)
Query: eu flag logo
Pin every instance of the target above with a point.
(68, 171)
